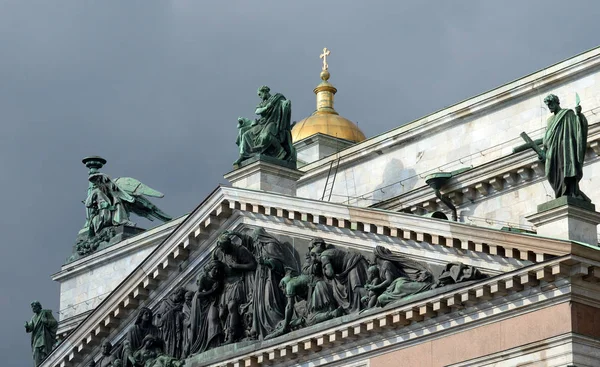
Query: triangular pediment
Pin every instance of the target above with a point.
(179, 258)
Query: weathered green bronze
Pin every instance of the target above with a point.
(43, 328)
(252, 288)
(563, 148)
(109, 204)
(270, 134)
(565, 143)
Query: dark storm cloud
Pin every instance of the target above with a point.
(155, 87)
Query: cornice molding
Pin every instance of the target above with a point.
(486, 181)
(501, 297)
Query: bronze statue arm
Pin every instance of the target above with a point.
(388, 279)
(250, 266)
(285, 326)
(210, 291)
(260, 110)
(289, 312)
(273, 264)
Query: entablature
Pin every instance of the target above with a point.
(486, 181)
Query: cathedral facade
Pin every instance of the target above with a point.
(443, 242)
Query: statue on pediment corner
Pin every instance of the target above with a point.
(42, 327)
(111, 201)
(109, 204)
(565, 144)
(563, 148)
(270, 134)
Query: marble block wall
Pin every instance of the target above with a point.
(377, 173)
(86, 282)
(86, 290)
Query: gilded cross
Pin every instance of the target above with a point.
(323, 56)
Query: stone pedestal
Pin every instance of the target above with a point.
(107, 237)
(567, 218)
(319, 146)
(265, 175)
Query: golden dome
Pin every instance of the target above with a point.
(325, 119)
(328, 124)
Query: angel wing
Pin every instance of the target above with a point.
(136, 188)
(141, 206)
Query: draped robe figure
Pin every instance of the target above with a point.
(347, 273)
(107, 359)
(403, 277)
(270, 134)
(317, 294)
(414, 277)
(152, 354)
(170, 314)
(565, 143)
(135, 336)
(43, 327)
(106, 203)
(268, 302)
(239, 279)
(205, 326)
(187, 325)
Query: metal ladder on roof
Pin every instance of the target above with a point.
(328, 189)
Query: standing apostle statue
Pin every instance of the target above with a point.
(43, 328)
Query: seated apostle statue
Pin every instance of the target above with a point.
(270, 134)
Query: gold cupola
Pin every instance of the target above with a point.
(325, 119)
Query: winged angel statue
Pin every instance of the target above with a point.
(110, 202)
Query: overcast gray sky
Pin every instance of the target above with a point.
(155, 87)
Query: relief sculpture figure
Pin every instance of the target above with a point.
(347, 273)
(402, 277)
(205, 325)
(170, 322)
(187, 324)
(135, 336)
(239, 268)
(152, 354)
(410, 277)
(317, 295)
(107, 359)
(268, 302)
